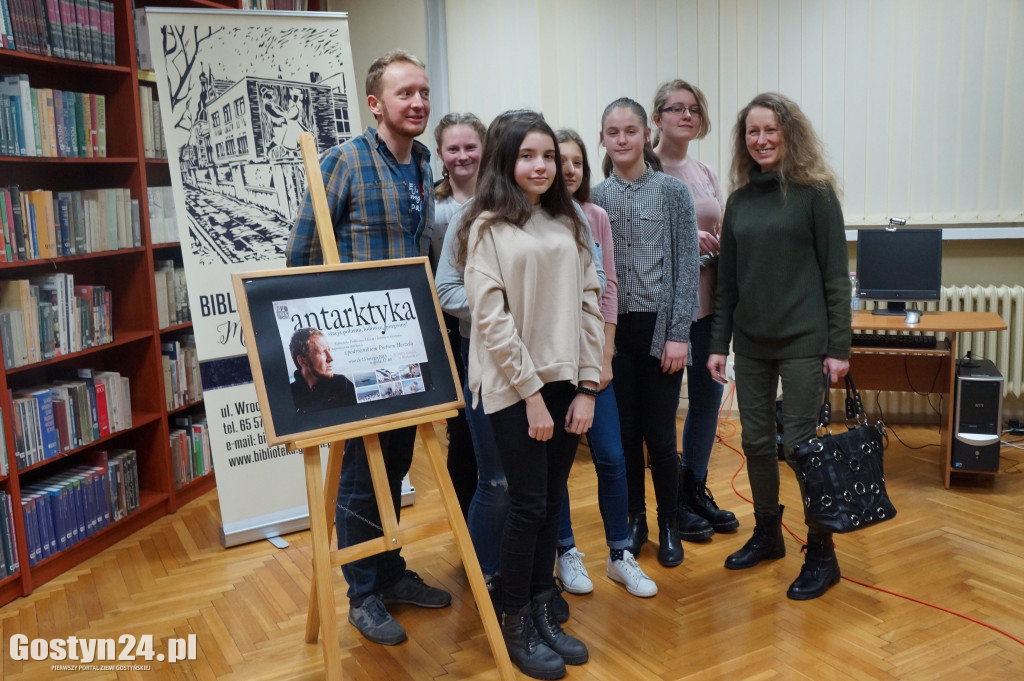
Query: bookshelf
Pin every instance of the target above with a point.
(126, 271)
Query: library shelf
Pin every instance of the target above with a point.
(128, 274)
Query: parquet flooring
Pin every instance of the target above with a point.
(961, 549)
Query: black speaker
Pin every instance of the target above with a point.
(978, 416)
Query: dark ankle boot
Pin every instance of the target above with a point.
(820, 570)
(637, 533)
(704, 505)
(526, 649)
(572, 650)
(766, 543)
(670, 551)
(692, 527)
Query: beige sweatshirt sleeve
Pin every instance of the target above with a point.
(492, 322)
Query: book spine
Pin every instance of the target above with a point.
(100, 121)
(60, 124)
(81, 126)
(67, 19)
(93, 140)
(64, 217)
(94, 31)
(8, 29)
(82, 29)
(53, 25)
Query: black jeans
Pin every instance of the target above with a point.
(648, 399)
(536, 473)
(461, 461)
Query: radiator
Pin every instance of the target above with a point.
(1004, 348)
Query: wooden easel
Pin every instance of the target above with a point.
(322, 614)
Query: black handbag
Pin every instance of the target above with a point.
(842, 473)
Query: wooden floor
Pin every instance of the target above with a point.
(962, 549)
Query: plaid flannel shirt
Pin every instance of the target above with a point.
(367, 198)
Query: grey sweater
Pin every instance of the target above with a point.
(678, 304)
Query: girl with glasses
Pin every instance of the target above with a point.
(680, 113)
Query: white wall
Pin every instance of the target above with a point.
(917, 100)
(376, 27)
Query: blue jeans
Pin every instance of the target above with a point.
(489, 507)
(705, 397)
(647, 399)
(536, 473)
(606, 450)
(358, 518)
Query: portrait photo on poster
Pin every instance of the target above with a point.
(339, 344)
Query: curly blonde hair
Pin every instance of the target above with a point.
(803, 154)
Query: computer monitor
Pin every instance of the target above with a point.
(899, 266)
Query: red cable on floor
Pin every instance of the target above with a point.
(743, 461)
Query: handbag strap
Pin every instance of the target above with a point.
(825, 412)
(854, 406)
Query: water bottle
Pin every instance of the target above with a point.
(854, 299)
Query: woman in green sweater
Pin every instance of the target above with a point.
(783, 298)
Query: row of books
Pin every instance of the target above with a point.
(182, 384)
(82, 30)
(171, 294)
(68, 413)
(39, 223)
(9, 562)
(153, 143)
(285, 5)
(49, 316)
(163, 217)
(190, 449)
(73, 505)
(49, 122)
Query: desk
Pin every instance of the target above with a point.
(919, 370)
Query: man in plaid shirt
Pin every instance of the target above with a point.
(380, 193)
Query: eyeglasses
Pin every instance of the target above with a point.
(679, 109)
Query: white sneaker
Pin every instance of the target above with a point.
(569, 568)
(628, 573)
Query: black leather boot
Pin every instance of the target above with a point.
(572, 650)
(766, 543)
(820, 570)
(704, 505)
(670, 550)
(637, 533)
(692, 526)
(527, 649)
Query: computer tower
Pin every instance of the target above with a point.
(977, 417)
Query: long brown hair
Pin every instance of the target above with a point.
(497, 192)
(650, 158)
(450, 120)
(803, 154)
(582, 194)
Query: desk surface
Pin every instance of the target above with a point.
(931, 322)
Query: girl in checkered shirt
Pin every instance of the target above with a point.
(654, 233)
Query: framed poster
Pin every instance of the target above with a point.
(338, 348)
